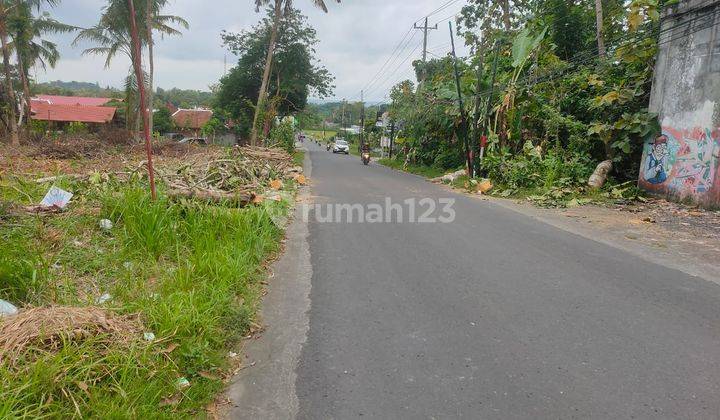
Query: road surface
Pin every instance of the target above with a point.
(494, 315)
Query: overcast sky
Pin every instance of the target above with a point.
(356, 38)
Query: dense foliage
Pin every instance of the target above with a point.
(557, 107)
(294, 72)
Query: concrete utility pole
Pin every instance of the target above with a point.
(342, 118)
(362, 120)
(425, 28)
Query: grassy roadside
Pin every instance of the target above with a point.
(318, 134)
(426, 171)
(558, 194)
(188, 272)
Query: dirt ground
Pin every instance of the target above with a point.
(78, 156)
(674, 235)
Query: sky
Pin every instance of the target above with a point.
(357, 38)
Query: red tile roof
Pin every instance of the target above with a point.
(192, 118)
(71, 113)
(73, 100)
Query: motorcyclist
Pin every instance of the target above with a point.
(365, 153)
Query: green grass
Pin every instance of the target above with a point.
(318, 134)
(298, 157)
(191, 271)
(422, 170)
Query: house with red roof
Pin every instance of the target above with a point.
(72, 100)
(62, 113)
(191, 120)
(61, 110)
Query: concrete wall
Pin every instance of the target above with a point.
(684, 162)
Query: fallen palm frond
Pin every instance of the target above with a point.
(48, 329)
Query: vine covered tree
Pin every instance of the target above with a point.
(280, 9)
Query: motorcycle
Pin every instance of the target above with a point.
(365, 158)
(329, 146)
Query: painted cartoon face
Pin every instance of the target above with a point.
(660, 150)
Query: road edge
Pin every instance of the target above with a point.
(266, 388)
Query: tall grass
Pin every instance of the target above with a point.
(189, 270)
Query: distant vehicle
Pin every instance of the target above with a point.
(341, 146)
(174, 136)
(193, 140)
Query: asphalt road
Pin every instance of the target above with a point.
(494, 315)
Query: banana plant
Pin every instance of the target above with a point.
(524, 45)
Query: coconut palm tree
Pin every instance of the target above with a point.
(30, 48)
(156, 22)
(280, 8)
(111, 35)
(7, 9)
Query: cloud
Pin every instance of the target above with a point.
(356, 38)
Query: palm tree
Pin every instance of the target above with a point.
(7, 9)
(30, 48)
(154, 21)
(111, 35)
(280, 8)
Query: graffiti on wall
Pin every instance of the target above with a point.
(682, 163)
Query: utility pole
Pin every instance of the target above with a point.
(392, 136)
(425, 28)
(362, 121)
(342, 118)
(463, 119)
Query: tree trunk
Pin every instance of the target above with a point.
(505, 4)
(262, 95)
(151, 63)
(22, 71)
(10, 91)
(599, 28)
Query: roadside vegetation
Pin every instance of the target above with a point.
(137, 302)
(552, 102)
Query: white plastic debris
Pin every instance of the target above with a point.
(106, 224)
(103, 298)
(7, 308)
(128, 265)
(183, 383)
(232, 354)
(56, 197)
(148, 336)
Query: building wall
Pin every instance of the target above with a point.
(684, 162)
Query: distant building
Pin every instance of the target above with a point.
(72, 100)
(42, 111)
(61, 110)
(191, 120)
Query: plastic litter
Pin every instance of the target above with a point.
(182, 383)
(7, 308)
(106, 224)
(56, 197)
(148, 336)
(103, 298)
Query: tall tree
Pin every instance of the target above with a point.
(154, 21)
(292, 78)
(6, 8)
(27, 33)
(280, 8)
(112, 35)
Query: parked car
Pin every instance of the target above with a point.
(341, 146)
(174, 136)
(193, 140)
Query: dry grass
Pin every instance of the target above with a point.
(48, 329)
